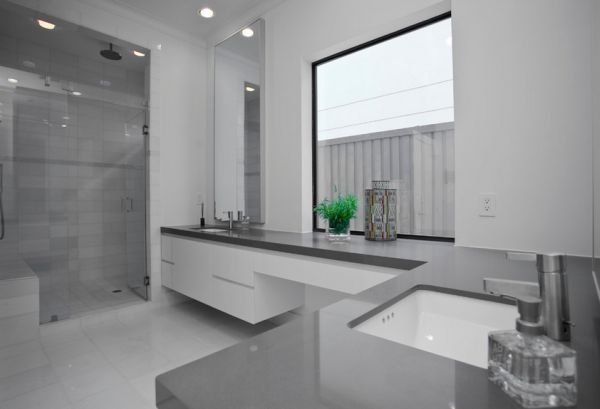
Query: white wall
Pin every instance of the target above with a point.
(523, 124)
(177, 111)
(522, 100)
(297, 33)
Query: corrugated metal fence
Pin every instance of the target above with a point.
(420, 163)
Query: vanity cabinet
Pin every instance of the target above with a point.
(225, 278)
(166, 261)
(254, 284)
(191, 276)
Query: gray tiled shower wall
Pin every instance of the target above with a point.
(69, 168)
(60, 65)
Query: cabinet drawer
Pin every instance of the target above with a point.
(191, 269)
(166, 248)
(233, 264)
(233, 298)
(166, 270)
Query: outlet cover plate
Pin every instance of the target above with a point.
(487, 204)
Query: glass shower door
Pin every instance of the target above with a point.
(134, 203)
(38, 191)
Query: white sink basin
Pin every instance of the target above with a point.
(208, 230)
(452, 326)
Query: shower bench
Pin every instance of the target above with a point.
(19, 302)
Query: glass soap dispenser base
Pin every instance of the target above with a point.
(532, 368)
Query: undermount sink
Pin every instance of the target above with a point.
(208, 229)
(449, 325)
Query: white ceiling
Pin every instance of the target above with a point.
(183, 14)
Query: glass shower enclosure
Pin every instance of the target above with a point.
(73, 145)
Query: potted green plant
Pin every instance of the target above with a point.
(338, 214)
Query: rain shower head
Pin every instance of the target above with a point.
(111, 54)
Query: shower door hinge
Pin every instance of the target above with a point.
(145, 130)
(146, 280)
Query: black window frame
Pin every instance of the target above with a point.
(344, 53)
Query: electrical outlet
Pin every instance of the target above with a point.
(487, 205)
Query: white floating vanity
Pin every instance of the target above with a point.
(255, 284)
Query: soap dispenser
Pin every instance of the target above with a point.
(532, 368)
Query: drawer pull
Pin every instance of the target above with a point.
(232, 282)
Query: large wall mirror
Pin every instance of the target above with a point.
(238, 126)
(596, 140)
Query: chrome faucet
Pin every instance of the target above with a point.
(241, 218)
(551, 289)
(229, 218)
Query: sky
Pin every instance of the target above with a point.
(400, 83)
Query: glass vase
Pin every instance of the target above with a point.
(338, 233)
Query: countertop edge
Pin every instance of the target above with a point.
(345, 256)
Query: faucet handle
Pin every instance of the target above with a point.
(520, 256)
(514, 288)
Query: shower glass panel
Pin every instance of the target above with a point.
(73, 159)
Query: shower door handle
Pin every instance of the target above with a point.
(126, 205)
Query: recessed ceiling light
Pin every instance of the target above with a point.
(46, 24)
(138, 53)
(250, 89)
(206, 12)
(247, 32)
(13, 80)
(76, 93)
(64, 125)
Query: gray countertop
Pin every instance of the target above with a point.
(400, 254)
(317, 361)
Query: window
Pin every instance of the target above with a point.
(385, 111)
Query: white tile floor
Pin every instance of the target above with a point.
(110, 360)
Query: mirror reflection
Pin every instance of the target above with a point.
(238, 131)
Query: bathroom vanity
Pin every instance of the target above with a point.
(321, 361)
(257, 274)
